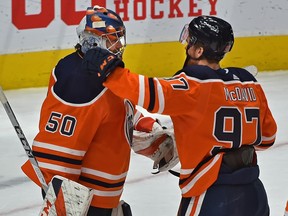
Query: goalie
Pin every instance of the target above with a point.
(76, 146)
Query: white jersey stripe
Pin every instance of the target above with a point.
(103, 174)
(186, 171)
(107, 193)
(199, 175)
(141, 91)
(189, 209)
(199, 203)
(268, 138)
(160, 97)
(59, 148)
(59, 168)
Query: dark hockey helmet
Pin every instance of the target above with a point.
(99, 25)
(215, 34)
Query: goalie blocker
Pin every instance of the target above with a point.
(152, 140)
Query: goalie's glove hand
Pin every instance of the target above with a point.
(101, 62)
(152, 140)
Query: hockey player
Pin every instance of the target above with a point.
(85, 130)
(220, 117)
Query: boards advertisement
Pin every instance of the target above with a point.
(37, 33)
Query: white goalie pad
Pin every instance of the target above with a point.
(158, 145)
(66, 197)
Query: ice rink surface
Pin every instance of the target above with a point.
(148, 194)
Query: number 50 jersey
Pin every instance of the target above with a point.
(84, 134)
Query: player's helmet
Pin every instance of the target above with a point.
(99, 25)
(215, 34)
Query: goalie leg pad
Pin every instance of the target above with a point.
(66, 197)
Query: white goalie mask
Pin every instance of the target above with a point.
(103, 28)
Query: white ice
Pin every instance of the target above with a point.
(148, 194)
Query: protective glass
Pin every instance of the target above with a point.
(184, 36)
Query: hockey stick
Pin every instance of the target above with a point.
(63, 196)
(23, 139)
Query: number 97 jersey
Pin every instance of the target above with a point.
(211, 110)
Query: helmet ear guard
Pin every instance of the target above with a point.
(104, 28)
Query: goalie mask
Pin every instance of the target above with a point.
(103, 28)
(214, 34)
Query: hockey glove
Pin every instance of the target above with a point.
(101, 62)
(152, 140)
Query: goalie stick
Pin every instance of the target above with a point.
(23, 139)
(63, 196)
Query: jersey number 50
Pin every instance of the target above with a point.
(64, 124)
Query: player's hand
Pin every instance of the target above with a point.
(101, 62)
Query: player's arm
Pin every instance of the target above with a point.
(269, 126)
(163, 96)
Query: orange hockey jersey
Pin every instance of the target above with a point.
(210, 109)
(85, 133)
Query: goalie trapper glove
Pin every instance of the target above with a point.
(152, 140)
(101, 62)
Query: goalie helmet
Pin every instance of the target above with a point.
(103, 28)
(215, 34)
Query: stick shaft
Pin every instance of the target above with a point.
(22, 139)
